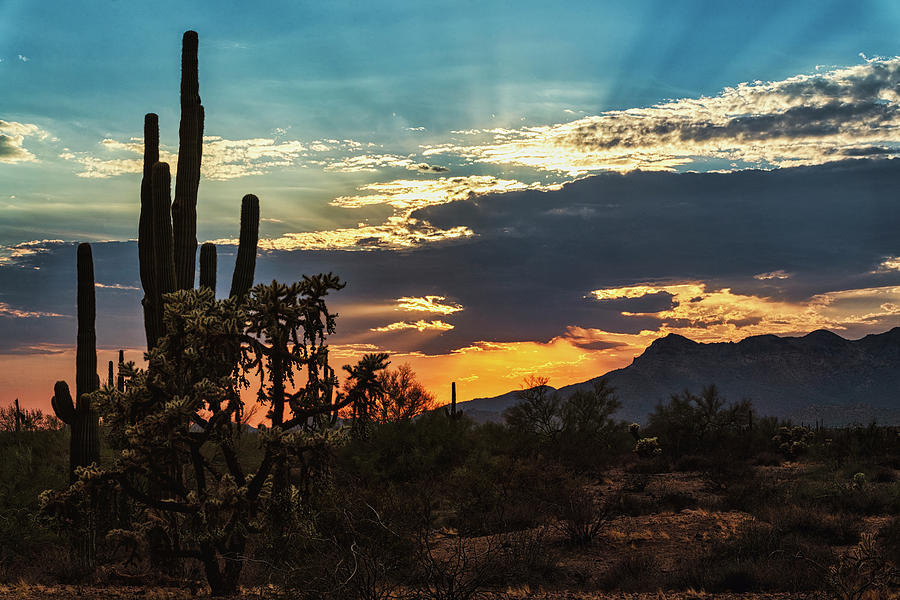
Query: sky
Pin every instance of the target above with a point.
(508, 188)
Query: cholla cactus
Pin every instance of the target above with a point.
(793, 441)
(864, 572)
(647, 447)
(635, 430)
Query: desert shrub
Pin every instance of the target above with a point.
(691, 462)
(496, 494)
(813, 522)
(632, 573)
(522, 557)
(845, 497)
(424, 449)
(767, 459)
(753, 494)
(758, 558)
(633, 505)
(704, 424)
(864, 572)
(453, 568)
(30, 462)
(669, 498)
(889, 539)
(580, 515)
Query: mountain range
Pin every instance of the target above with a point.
(817, 377)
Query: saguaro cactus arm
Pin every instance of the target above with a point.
(208, 266)
(62, 403)
(187, 181)
(152, 310)
(86, 380)
(245, 264)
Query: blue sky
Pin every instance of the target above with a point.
(411, 140)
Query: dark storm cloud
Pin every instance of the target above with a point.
(529, 270)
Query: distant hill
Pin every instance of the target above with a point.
(820, 376)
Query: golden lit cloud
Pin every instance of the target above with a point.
(890, 263)
(431, 304)
(8, 311)
(411, 194)
(400, 230)
(369, 163)
(803, 120)
(12, 140)
(722, 315)
(779, 274)
(222, 159)
(9, 254)
(395, 234)
(419, 325)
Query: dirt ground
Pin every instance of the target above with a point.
(666, 536)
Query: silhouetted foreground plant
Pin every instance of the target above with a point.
(79, 415)
(185, 410)
(167, 230)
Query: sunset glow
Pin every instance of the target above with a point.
(532, 203)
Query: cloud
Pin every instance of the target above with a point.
(803, 120)
(8, 311)
(430, 304)
(411, 194)
(23, 58)
(116, 286)
(12, 140)
(401, 230)
(13, 254)
(223, 159)
(890, 263)
(665, 252)
(705, 314)
(426, 168)
(395, 234)
(369, 163)
(779, 274)
(419, 326)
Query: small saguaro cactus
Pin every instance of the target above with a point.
(245, 264)
(208, 266)
(451, 410)
(18, 417)
(84, 446)
(167, 232)
(120, 378)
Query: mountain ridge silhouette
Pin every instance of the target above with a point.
(819, 376)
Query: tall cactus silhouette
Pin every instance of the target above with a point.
(208, 266)
(245, 264)
(84, 447)
(187, 180)
(167, 232)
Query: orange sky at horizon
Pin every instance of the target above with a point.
(486, 368)
(482, 370)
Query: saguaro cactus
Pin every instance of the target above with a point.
(167, 232)
(190, 150)
(208, 266)
(84, 447)
(120, 378)
(245, 264)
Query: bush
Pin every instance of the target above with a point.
(758, 558)
(633, 573)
